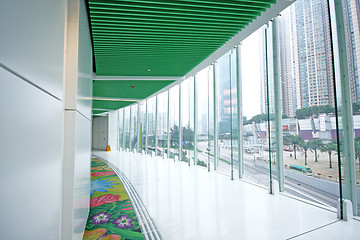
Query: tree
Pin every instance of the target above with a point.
(293, 140)
(303, 113)
(357, 150)
(313, 111)
(174, 136)
(305, 146)
(259, 118)
(329, 147)
(326, 109)
(356, 108)
(315, 144)
(188, 135)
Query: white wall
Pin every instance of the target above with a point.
(45, 122)
(113, 129)
(32, 41)
(100, 133)
(31, 118)
(77, 134)
(31, 155)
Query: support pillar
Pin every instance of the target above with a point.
(180, 123)
(215, 115)
(156, 124)
(168, 125)
(278, 112)
(195, 123)
(240, 126)
(146, 128)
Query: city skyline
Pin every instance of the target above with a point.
(306, 68)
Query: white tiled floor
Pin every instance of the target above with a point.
(191, 203)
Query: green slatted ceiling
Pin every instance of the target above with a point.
(111, 105)
(138, 89)
(98, 111)
(169, 37)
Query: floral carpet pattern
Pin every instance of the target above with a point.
(111, 215)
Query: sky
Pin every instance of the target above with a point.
(250, 60)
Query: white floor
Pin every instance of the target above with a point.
(191, 203)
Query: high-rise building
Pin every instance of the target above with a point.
(288, 69)
(266, 67)
(306, 68)
(352, 28)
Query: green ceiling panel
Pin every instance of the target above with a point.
(136, 89)
(167, 37)
(98, 111)
(111, 105)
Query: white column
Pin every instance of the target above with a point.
(195, 123)
(77, 123)
(215, 115)
(278, 113)
(180, 123)
(146, 128)
(240, 113)
(139, 126)
(168, 125)
(156, 124)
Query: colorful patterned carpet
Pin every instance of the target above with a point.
(111, 215)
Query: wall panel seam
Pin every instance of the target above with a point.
(27, 80)
(71, 109)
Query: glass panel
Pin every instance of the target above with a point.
(187, 118)
(142, 125)
(308, 103)
(127, 128)
(224, 115)
(352, 35)
(121, 129)
(233, 114)
(254, 73)
(134, 127)
(162, 100)
(205, 117)
(270, 142)
(151, 104)
(174, 122)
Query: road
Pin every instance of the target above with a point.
(260, 175)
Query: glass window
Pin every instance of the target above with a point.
(187, 120)
(162, 135)
(134, 127)
(142, 126)
(121, 128)
(309, 123)
(174, 122)
(127, 128)
(151, 126)
(227, 114)
(351, 13)
(205, 117)
(255, 107)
